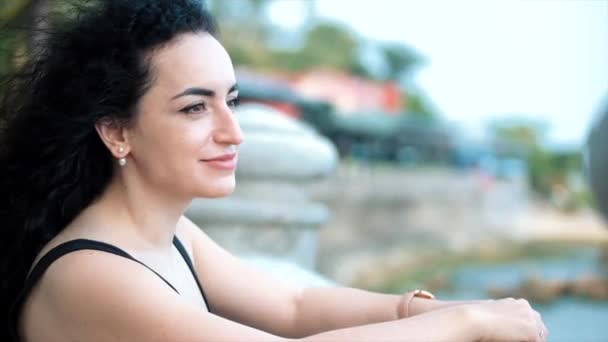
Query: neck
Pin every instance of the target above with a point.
(140, 212)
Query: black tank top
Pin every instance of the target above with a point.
(80, 244)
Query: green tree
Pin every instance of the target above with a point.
(546, 168)
(11, 13)
(418, 105)
(10, 10)
(522, 137)
(22, 26)
(400, 61)
(519, 130)
(244, 30)
(329, 45)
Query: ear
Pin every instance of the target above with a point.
(114, 136)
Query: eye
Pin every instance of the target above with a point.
(195, 108)
(234, 102)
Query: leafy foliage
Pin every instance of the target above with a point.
(549, 171)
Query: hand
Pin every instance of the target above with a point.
(508, 320)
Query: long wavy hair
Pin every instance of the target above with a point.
(92, 66)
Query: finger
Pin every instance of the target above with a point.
(543, 331)
(524, 303)
(540, 336)
(538, 331)
(541, 324)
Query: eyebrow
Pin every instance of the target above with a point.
(202, 92)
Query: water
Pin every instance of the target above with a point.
(568, 319)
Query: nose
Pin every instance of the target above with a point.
(228, 130)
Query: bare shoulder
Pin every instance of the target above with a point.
(92, 293)
(97, 296)
(236, 288)
(194, 239)
(208, 255)
(189, 231)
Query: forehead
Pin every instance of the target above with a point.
(192, 59)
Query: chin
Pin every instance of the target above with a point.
(219, 189)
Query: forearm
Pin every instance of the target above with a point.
(327, 308)
(422, 305)
(452, 324)
(330, 308)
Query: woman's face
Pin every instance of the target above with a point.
(185, 120)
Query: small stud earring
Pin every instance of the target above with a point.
(121, 149)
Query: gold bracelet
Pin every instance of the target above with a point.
(404, 305)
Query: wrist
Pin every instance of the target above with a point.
(470, 318)
(404, 306)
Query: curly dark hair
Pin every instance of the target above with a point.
(92, 66)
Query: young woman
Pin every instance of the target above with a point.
(108, 133)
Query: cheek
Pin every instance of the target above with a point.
(169, 157)
(191, 144)
(184, 139)
(182, 150)
(165, 151)
(180, 153)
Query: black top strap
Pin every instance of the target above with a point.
(76, 245)
(80, 244)
(184, 254)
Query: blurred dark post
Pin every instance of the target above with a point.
(596, 160)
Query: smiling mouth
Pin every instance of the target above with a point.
(224, 162)
(224, 157)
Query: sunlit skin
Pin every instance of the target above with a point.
(173, 131)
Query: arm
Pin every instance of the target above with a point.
(237, 291)
(454, 324)
(241, 293)
(126, 302)
(96, 296)
(422, 305)
(502, 320)
(327, 308)
(323, 309)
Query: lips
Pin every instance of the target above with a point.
(223, 157)
(223, 162)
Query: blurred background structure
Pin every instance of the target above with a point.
(400, 144)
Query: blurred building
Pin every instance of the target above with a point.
(347, 93)
(364, 119)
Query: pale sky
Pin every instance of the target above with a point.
(545, 58)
